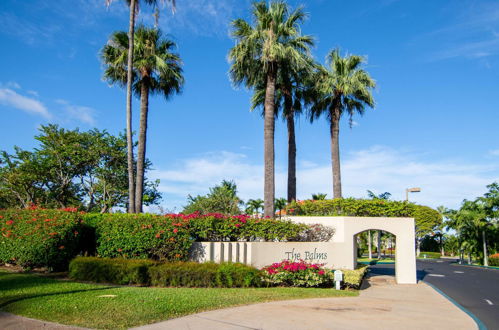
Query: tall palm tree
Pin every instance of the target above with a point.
(290, 84)
(156, 70)
(134, 8)
(260, 47)
(341, 87)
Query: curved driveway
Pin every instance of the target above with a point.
(474, 288)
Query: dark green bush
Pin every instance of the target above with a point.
(42, 238)
(494, 260)
(192, 274)
(429, 255)
(168, 274)
(106, 270)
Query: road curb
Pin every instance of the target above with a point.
(478, 266)
(479, 323)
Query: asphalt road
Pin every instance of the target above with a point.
(474, 288)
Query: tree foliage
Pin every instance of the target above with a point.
(69, 168)
(221, 199)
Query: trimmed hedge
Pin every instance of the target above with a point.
(430, 255)
(193, 274)
(174, 274)
(106, 270)
(42, 238)
(350, 207)
(353, 278)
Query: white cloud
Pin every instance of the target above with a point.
(15, 100)
(494, 152)
(378, 168)
(77, 112)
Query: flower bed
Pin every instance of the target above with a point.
(494, 260)
(298, 273)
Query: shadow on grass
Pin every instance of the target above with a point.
(26, 297)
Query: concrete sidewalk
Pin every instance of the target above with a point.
(382, 305)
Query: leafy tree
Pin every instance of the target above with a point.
(157, 70)
(384, 196)
(273, 37)
(134, 8)
(69, 168)
(254, 206)
(221, 199)
(341, 87)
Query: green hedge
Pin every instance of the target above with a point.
(169, 274)
(106, 270)
(430, 255)
(353, 278)
(193, 274)
(42, 238)
(350, 207)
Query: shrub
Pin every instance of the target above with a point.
(219, 227)
(298, 273)
(41, 238)
(429, 255)
(193, 274)
(143, 236)
(494, 260)
(106, 270)
(315, 233)
(353, 278)
(350, 207)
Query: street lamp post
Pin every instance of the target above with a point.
(412, 190)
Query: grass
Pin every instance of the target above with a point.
(82, 304)
(375, 260)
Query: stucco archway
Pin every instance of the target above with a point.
(344, 245)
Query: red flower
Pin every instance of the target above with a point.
(9, 222)
(120, 249)
(321, 272)
(61, 247)
(237, 225)
(158, 235)
(175, 230)
(47, 220)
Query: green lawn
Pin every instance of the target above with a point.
(375, 260)
(82, 304)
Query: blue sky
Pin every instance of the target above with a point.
(436, 64)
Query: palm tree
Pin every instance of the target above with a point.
(254, 205)
(341, 87)
(134, 7)
(280, 204)
(290, 85)
(156, 70)
(319, 197)
(260, 48)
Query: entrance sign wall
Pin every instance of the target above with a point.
(339, 252)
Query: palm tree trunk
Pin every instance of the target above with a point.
(290, 119)
(129, 140)
(485, 257)
(269, 154)
(369, 243)
(141, 150)
(335, 151)
(379, 244)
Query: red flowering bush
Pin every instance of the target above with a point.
(298, 273)
(37, 237)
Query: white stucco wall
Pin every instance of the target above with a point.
(340, 252)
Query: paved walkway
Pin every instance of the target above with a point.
(382, 305)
